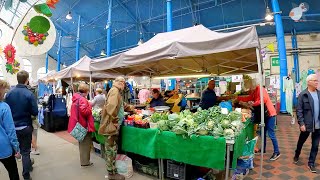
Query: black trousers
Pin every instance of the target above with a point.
(315, 137)
(10, 164)
(25, 138)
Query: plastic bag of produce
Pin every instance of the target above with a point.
(124, 165)
(248, 149)
(226, 104)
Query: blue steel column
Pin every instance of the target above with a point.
(47, 62)
(295, 68)
(169, 15)
(78, 40)
(282, 52)
(109, 29)
(59, 52)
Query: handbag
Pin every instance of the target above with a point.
(78, 132)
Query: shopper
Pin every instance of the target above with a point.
(209, 97)
(174, 101)
(34, 142)
(23, 105)
(112, 117)
(309, 120)
(81, 111)
(270, 120)
(157, 99)
(99, 100)
(9, 146)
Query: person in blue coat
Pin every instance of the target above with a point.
(9, 146)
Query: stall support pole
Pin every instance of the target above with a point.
(47, 62)
(282, 52)
(59, 52)
(169, 15)
(78, 40)
(296, 63)
(262, 109)
(228, 161)
(90, 85)
(109, 29)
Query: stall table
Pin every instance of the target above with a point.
(203, 151)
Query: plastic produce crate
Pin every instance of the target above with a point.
(176, 170)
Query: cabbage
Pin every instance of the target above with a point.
(162, 125)
(228, 133)
(179, 130)
(225, 123)
(202, 131)
(210, 124)
(173, 116)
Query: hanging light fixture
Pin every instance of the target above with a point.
(103, 52)
(269, 14)
(69, 16)
(140, 42)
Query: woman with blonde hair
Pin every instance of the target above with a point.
(9, 146)
(81, 111)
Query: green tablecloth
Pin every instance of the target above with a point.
(204, 151)
(99, 138)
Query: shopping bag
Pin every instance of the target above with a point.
(124, 165)
(79, 132)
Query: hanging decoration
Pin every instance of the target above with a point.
(298, 11)
(12, 65)
(10, 53)
(263, 53)
(36, 34)
(33, 37)
(44, 8)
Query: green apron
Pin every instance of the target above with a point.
(121, 113)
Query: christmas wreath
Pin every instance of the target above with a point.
(12, 65)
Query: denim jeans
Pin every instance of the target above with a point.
(315, 137)
(270, 125)
(25, 138)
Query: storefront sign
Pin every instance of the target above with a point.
(275, 61)
(237, 78)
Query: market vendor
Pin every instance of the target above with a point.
(99, 100)
(173, 100)
(209, 97)
(254, 100)
(157, 99)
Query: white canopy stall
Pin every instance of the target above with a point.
(191, 51)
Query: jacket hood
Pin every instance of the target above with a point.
(76, 97)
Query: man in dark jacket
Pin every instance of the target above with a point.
(309, 120)
(209, 97)
(23, 105)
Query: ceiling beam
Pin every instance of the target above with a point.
(131, 15)
(192, 7)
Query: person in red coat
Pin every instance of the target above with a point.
(81, 111)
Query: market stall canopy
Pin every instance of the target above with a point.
(194, 50)
(81, 70)
(47, 76)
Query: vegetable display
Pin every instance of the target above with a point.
(203, 122)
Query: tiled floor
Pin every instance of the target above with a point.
(283, 168)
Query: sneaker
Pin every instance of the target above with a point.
(275, 156)
(312, 169)
(35, 152)
(295, 160)
(116, 177)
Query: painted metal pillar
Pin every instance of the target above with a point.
(47, 62)
(295, 68)
(282, 52)
(59, 52)
(109, 29)
(169, 15)
(78, 40)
